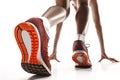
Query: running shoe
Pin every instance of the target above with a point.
(32, 40)
(80, 56)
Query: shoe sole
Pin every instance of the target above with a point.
(29, 42)
(81, 59)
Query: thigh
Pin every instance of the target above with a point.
(63, 3)
(83, 1)
(77, 3)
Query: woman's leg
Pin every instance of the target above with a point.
(58, 13)
(80, 51)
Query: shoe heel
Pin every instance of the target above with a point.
(82, 60)
(27, 57)
(79, 58)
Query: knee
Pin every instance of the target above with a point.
(83, 3)
(57, 9)
(67, 10)
(65, 4)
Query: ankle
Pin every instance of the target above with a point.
(80, 37)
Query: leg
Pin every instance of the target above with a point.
(60, 12)
(58, 29)
(96, 18)
(82, 17)
(80, 50)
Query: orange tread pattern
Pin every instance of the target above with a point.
(84, 57)
(34, 41)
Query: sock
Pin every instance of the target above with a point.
(46, 24)
(81, 37)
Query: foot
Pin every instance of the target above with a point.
(80, 56)
(32, 40)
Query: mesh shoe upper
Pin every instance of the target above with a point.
(79, 45)
(44, 39)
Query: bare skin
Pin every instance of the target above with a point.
(65, 4)
(53, 56)
(96, 18)
(82, 11)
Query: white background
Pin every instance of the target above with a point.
(13, 12)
